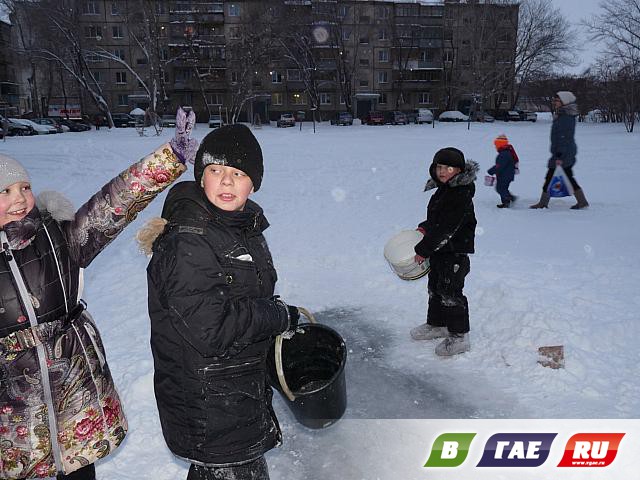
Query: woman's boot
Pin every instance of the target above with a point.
(582, 201)
(544, 201)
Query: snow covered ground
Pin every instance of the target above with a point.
(550, 277)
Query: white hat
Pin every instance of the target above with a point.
(566, 97)
(11, 172)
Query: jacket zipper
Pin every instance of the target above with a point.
(42, 360)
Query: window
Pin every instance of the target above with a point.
(117, 31)
(123, 100)
(163, 32)
(382, 99)
(448, 56)
(424, 98)
(119, 52)
(187, 98)
(276, 77)
(465, 60)
(342, 102)
(234, 77)
(98, 76)
(183, 74)
(364, 19)
(276, 98)
(364, 62)
(91, 8)
(484, 56)
(121, 77)
(115, 8)
(383, 55)
(161, 9)
(298, 99)
(364, 40)
(294, 75)
(346, 34)
(343, 11)
(93, 32)
(504, 37)
(382, 12)
(92, 58)
(383, 77)
(214, 99)
(141, 61)
(325, 99)
(234, 10)
(234, 33)
(382, 34)
(364, 82)
(164, 54)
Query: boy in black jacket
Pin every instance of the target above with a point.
(449, 232)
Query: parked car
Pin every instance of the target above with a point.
(37, 128)
(122, 120)
(453, 116)
(286, 120)
(526, 116)
(74, 126)
(481, 117)
(342, 118)
(18, 129)
(424, 115)
(374, 118)
(51, 122)
(396, 118)
(168, 121)
(215, 121)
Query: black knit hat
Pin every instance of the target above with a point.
(232, 146)
(451, 157)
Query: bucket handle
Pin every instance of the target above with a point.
(278, 353)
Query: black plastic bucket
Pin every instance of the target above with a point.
(313, 362)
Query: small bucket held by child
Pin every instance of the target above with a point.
(308, 370)
(400, 255)
(489, 180)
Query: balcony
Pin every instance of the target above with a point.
(419, 65)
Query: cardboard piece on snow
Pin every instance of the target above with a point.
(551, 356)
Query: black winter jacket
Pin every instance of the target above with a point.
(211, 279)
(451, 221)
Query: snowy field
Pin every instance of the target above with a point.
(333, 198)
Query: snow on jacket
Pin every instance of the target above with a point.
(211, 279)
(505, 167)
(563, 131)
(59, 409)
(451, 221)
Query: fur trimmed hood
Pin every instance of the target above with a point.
(59, 206)
(466, 177)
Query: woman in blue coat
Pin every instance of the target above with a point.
(563, 148)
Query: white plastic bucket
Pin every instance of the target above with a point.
(400, 255)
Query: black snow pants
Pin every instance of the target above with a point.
(448, 307)
(255, 470)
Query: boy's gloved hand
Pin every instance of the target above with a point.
(421, 230)
(419, 259)
(294, 317)
(184, 147)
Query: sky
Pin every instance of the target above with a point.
(575, 11)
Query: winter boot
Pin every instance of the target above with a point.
(428, 332)
(454, 344)
(544, 201)
(582, 201)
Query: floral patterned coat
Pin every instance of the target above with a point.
(59, 409)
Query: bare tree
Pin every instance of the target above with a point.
(545, 42)
(618, 27)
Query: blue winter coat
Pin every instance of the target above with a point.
(505, 167)
(563, 129)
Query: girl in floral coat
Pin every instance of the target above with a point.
(59, 409)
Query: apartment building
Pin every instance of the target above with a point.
(259, 58)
